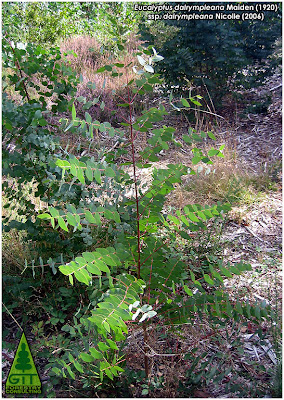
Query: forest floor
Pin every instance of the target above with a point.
(252, 232)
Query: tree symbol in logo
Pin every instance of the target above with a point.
(23, 361)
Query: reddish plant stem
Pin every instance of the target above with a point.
(122, 98)
(167, 279)
(136, 188)
(146, 358)
(158, 248)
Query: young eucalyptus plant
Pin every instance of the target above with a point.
(139, 277)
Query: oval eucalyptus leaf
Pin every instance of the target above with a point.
(148, 68)
(141, 60)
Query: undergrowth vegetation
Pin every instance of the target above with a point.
(93, 256)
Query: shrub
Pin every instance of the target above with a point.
(214, 52)
(30, 147)
(44, 24)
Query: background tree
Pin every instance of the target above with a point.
(212, 51)
(41, 23)
(45, 23)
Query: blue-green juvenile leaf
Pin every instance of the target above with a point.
(62, 224)
(192, 217)
(187, 290)
(141, 60)
(89, 173)
(185, 103)
(54, 212)
(148, 68)
(78, 366)
(109, 172)
(44, 216)
(91, 218)
(213, 152)
(86, 357)
(82, 276)
(88, 118)
(96, 354)
(80, 176)
(73, 112)
(97, 176)
(208, 279)
(211, 135)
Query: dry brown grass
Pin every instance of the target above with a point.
(109, 89)
(226, 180)
(90, 56)
(15, 247)
(15, 251)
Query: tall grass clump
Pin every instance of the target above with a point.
(90, 56)
(226, 180)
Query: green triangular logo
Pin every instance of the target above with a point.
(23, 376)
